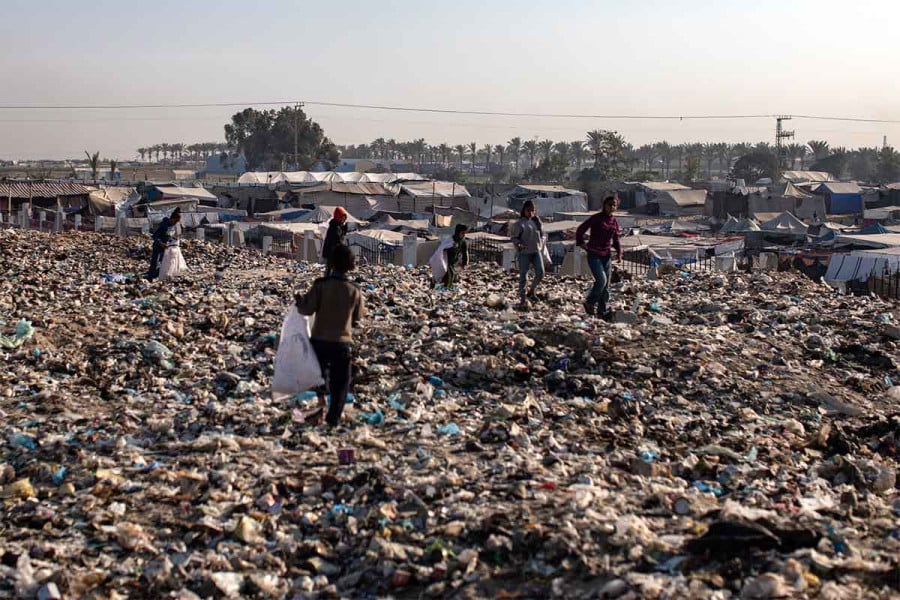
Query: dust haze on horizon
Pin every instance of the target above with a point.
(570, 56)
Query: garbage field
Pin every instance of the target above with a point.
(728, 435)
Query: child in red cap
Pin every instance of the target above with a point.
(336, 235)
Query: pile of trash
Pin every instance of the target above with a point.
(729, 435)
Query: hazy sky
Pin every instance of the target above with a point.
(563, 56)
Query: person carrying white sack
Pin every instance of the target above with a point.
(339, 307)
(451, 254)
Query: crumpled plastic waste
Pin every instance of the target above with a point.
(24, 332)
(731, 433)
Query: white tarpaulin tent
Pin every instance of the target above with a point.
(785, 223)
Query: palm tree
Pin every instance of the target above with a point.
(531, 148)
(515, 149)
(710, 152)
(726, 153)
(794, 152)
(647, 153)
(546, 148)
(665, 152)
(562, 150)
(487, 157)
(577, 150)
(596, 142)
(93, 163)
(473, 150)
(142, 152)
(460, 153)
(500, 150)
(819, 149)
(445, 151)
(113, 163)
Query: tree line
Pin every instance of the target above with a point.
(609, 152)
(181, 152)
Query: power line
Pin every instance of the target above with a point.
(433, 110)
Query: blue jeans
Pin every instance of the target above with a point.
(526, 259)
(600, 269)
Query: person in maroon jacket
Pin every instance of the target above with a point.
(604, 237)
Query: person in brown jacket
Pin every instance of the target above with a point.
(339, 307)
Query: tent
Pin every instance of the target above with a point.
(680, 202)
(842, 198)
(323, 214)
(785, 223)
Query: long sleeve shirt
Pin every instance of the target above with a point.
(527, 234)
(338, 306)
(604, 235)
(161, 236)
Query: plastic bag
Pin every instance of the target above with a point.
(172, 263)
(438, 260)
(296, 366)
(545, 253)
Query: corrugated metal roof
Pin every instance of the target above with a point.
(41, 189)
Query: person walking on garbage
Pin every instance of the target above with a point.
(338, 306)
(527, 234)
(604, 236)
(450, 253)
(335, 236)
(162, 237)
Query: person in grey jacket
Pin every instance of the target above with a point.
(527, 234)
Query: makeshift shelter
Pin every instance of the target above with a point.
(418, 197)
(678, 203)
(860, 265)
(842, 198)
(109, 200)
(785, 223)
(548, 199)
(42, 194)
(805, 177)
(166, 191)
(323, 214)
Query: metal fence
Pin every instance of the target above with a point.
(485, 251)
(375, 252)
(885, 284)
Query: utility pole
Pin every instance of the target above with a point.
(297, 108)
(780, 148)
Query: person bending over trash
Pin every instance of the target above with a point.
(162, 237)
(338, 306)
(604, 236)
(456, 253)
(527, 233)
(335, 236)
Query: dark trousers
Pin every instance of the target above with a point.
(449, 277)
(155, 260)
(334, 359)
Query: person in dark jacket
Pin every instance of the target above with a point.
(457, 255)
(336, 236)
(339, 307)
(162, 237)
(604, 236)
